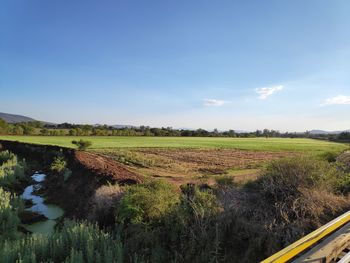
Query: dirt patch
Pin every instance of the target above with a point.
(190, 165)
(106, 167)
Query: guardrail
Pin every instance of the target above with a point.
(308, 241)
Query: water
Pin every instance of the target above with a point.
(52, 212)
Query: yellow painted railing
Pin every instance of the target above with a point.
(306, 242)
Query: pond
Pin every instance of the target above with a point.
(50, 211)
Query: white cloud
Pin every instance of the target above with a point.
(214, 102)
(338, 100)
(265, 92)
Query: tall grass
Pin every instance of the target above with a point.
(75, 242)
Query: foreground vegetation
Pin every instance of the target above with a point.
(157, 222)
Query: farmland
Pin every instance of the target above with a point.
(182, 160)
(254, 144)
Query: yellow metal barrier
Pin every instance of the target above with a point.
(306, 242)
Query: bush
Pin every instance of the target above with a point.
(12, 173)
(5, 156)
(103, 203)
(285, 177)
(82, 144)
(9, 209)
(330, 157)
(344, 160)
(147, 203)
(58, 165)
(225, 180)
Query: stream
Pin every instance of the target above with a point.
(52, 212)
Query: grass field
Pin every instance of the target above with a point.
(189, 159)
(255, 144)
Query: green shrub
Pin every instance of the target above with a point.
(82, 144)
(147, 203)
(9, 208)
(285, 177)
(59, 164)
(5, 156)
(225, 180)
(330, 157)
(12, 172)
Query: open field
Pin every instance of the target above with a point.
(183, 165)
(255, 144)
(187, 159)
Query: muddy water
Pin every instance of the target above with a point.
(52, 212)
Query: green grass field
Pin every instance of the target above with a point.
(256, 144)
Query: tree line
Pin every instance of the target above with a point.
(68, 129)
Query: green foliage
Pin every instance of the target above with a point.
(286, 177)
(329, 156)
(5, 156)
(82, 144)
(147, 203)
(12, 172)
(225, 180)
(75, 242)
(59, 164)
(9, 208)
(3, 127)
(344, 183)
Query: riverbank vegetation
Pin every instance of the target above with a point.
(156, 221)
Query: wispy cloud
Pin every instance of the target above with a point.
(214, 102)
(265, 92)
(337, 100)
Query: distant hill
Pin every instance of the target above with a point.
(320, 132)
(12, 118)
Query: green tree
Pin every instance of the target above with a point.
(3, 127)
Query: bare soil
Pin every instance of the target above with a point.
(192, 165)
(106, 167)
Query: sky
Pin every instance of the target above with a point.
(242, 65)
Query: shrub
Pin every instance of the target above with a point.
(225, 180)
(9, 208)
(330, 157)
(5, 156)
(147, 203)
(285, 177)
(291, 198)
(344, 160)
(82, 144)
(12, 173)
(59, 164)
(103, 204)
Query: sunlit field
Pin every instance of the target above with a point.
(255, 144)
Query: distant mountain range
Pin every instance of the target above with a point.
(12, 118)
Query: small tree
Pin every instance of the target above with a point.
(82, 144)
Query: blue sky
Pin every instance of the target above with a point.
(211, 64)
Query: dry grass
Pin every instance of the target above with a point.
(103, 203)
